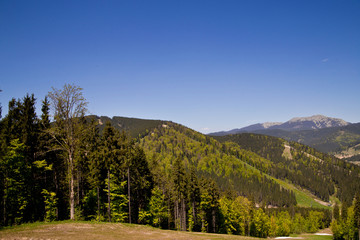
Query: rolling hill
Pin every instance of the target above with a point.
(243, 163)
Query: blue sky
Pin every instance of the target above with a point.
(209, 65)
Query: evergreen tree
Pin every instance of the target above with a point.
(140, 181)
(180, 186)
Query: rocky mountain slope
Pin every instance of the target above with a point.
(294, 124)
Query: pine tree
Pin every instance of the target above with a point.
(97, 171)
(180, 186)
(140, 181)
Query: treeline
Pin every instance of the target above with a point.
(173, 178)
(346, 221)
(304, 166)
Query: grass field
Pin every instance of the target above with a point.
(101, 230)
(94, 230)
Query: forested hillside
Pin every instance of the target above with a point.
(213, 160)
(329, 140)
(169, 176)
(304, 166)
(134, 127)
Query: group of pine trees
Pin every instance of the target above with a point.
(346, 221)
(67, 167)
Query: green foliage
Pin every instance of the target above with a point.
(236, 214)
(298, 225)
(260, 224)
(15, 195)
(314, 222)
(284, 224)
(158, 208)
(50, 205)
(226, 163)
(119, 199)
(347, 227)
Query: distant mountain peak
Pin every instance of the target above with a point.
(316, 122)
(294, 124)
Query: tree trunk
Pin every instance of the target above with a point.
(78, 187)
(109, 210)
(193, 211)
(176, 215)
(72, 193)
(128, 173)
(57, 193)
(4, 201)
(183, 215)
(98, 203)
(213, 220)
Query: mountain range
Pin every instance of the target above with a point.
(326, 134)
(294, 124)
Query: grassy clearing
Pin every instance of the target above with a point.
(311, 237)
(94, 230)
(303, 199)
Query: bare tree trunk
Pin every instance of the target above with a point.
(72, 193)
(109, 210)
(128, 173)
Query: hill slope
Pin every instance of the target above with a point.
(224, 163)
(330, 140)
(241, 163)
(135, 127)
(302, 165)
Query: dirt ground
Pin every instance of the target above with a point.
(70, 230)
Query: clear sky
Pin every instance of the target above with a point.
(209, 65)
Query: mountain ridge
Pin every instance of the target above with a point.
(294, 124)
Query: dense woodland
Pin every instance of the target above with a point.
(64, 165)
(306, 167)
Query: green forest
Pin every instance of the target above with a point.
(64, 164)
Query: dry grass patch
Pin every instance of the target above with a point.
(93, 230)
